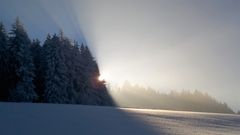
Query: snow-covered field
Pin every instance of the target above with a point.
(49, 119)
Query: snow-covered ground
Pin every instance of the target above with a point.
(49, 119)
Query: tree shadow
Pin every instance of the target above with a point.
(50, 119)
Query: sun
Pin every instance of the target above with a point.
(103, 77)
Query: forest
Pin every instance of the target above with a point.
(58, 71)
(62, 71)
(137, 96)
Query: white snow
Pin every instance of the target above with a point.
(52, 119)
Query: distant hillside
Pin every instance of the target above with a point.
(139, 97)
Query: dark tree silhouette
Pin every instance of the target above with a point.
(4, 66)
(22, 67)
(59, 71)
(38, 61)
(56, 71)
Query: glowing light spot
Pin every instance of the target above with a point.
(103, 77)
(100, 78)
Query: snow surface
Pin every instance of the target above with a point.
(50, 119)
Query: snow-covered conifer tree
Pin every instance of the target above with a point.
(22, 65)
(56, 77)
(4, 57)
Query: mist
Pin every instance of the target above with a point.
(166, 45)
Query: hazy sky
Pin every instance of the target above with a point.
(164, 44)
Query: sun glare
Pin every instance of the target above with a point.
(103, 77)
(100, 78)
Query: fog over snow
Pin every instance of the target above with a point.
(158, 43)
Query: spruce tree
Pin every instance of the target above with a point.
(95, 91)
(80, 77)
(39, 71)
(56, 78)
(58, 72)
(4, 57)
(68, 60)
(22, 66)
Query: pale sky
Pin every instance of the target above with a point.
(164, 44)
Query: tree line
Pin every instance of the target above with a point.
(139, 97)
(57, 71)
